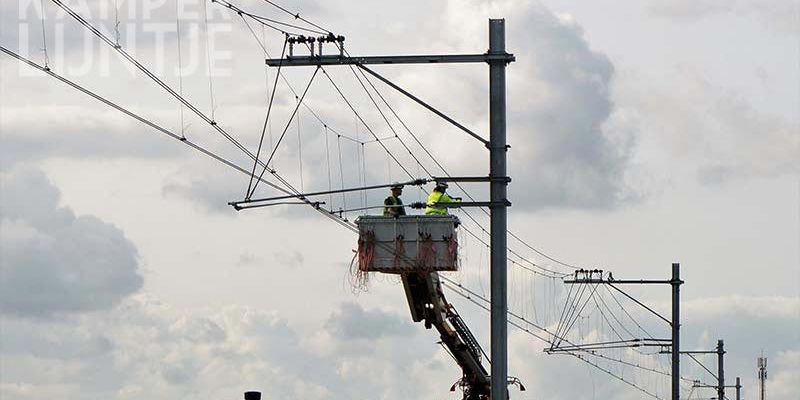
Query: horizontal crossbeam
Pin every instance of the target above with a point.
(461, 204)
(365, 60)
(471, 179)
(618, 281)
(302, 196)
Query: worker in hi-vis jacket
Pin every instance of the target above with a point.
(393, 206)
(438, 195)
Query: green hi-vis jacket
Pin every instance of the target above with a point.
(437, 197)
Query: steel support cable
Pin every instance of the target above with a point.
(360, 176)
(618, 344)
(627, 313)
(44, 37)
(283, 134)
(132, 115)
(426, 105)
(424, 148)
(389, 124)
(165, 131)
(328, 162)
(556, 275)
(573, 310)
(152, 76)
(640, 303)
(616, 319)
(578, 314)
(416, 182)
(603, 316)
(341, 170)
(266, 118)
(436, 161)
(441, 167)
(117, 23)
(593, 353)
(379, 139)
(300, 147)
(289, 85)
(537, 251)
(529, 332)
(570, 305)
(702, 365)
(267, 21)
(208, 62)
(352, 108)
(469, 296)
(180, 60)
(564, 310)
(297, 16)
(580, 357)
(419, 163)
(291, 88)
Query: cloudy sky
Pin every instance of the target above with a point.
(642, 133)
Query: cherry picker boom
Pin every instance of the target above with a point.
(427, 303)
(418, 248)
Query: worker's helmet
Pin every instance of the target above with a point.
(441, 184)
(397, 185)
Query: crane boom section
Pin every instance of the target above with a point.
(427, 304)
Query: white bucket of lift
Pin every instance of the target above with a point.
(411, 243)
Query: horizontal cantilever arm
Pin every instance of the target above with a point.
(362, 61)
(461, 204)
(300, 61)
(239, 204)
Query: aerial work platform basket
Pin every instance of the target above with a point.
(411, 243)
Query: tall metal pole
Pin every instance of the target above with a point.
(738, 389)
(498, 227)
(720, 370)
(762, 377)
(676, 331)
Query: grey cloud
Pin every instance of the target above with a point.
(567, 150)
(210, 189)
(158, 353)
(748, 326)
(59, 344)
(49, 131)
(780, 15)
(249, 259)
(716, 133)
(353, 322)
(289, 259)
(54, 261)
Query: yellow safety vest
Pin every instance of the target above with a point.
(437, 197)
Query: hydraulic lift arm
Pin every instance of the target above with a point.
(427, 303)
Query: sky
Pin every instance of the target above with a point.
(642, 133)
